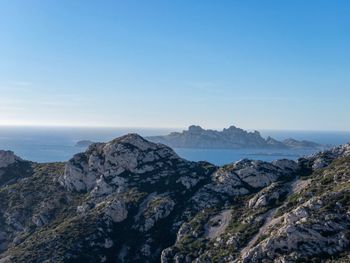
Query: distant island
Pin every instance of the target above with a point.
(84, 143)
(228, 138)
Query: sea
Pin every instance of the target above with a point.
(58, 144)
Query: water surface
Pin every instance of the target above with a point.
(52, 144)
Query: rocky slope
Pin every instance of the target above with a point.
(230, 138)
(131, 200)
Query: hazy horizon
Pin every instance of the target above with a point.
(160, 128)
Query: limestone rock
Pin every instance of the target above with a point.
(257, 173)
(158, 207)
(323, 159)
(7, 158)
(227, 181)
(105, 162)
(116, 210)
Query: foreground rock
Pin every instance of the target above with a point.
(287, 221)
(131, 200)
(113, 201)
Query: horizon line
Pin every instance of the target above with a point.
(24, 125)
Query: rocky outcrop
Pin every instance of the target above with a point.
(260, 174)
(227, 181)
(324, 158)
(246, 175)
(101, 167)
(116, 210)
(7, 158)
(291, 220)
(12, 168)
(300, 234)
(100, 201)
(157, 207)
(268, 195)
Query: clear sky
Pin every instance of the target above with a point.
(165, 63)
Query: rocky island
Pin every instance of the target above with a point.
(83, 143)
(230, 138)
(132, 200)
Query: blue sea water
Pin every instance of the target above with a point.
(52, 144)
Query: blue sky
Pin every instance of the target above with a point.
(256, 64)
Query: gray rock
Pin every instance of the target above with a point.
(7, 158)
(115, 210)
(101, 162)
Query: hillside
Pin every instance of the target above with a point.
(131, 200)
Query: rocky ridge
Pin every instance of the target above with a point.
(131, 200)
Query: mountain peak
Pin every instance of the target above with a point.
(231, 127)
(195, 129)
(135, 140)
(130, 153)
(130, 137)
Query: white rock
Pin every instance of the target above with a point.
(157, 208)
(227, 181)
(130, 153)
(116, 210)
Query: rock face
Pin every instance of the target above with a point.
(310, 225)
(324, 158)
(230, 138)
(286, 221)
(7, 158)
(246, 175)
(101, 167)
(12, 168)
(112, 201)
(131, 200)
